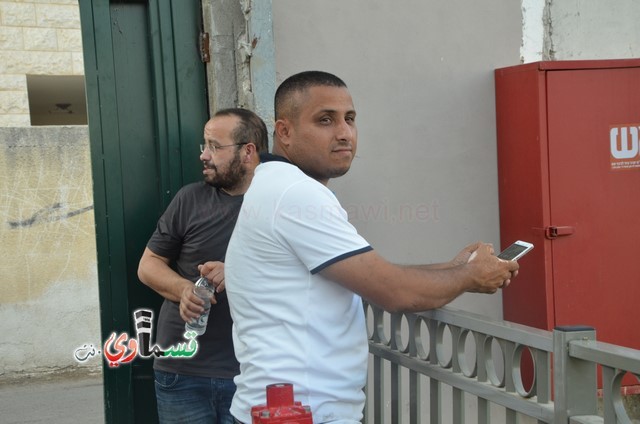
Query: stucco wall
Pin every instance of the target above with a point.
(48, 278)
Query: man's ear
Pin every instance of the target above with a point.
(249, 152)
(282, 130)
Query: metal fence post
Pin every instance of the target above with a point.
(575, 382)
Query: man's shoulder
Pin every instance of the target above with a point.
(195, 187)
(195, 190)
(193, 194)
(282, 172)
(285, 179)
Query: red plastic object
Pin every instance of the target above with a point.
(281, 408)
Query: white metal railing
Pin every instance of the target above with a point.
(480, 365)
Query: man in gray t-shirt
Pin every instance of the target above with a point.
(194, 229)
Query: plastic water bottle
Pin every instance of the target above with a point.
(204, 291)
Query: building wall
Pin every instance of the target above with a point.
(584, 29)
(579, 30)
(37, 37)
(48, 284)
(48, 279)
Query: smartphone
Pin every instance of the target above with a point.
(515, 251)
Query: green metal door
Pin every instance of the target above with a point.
(146, 99)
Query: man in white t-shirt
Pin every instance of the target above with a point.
(296, 269)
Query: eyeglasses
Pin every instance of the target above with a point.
(213, 148)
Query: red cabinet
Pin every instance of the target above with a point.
(569, 182)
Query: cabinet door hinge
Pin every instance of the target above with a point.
(204, 47)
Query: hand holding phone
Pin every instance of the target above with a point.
(515, 251)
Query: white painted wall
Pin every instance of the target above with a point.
(533, 31)
(580, 30)
(587, 29)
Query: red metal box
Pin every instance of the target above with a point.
(569, 182)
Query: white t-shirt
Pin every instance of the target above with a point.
(292, 325)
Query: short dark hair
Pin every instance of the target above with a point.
(301, 82)
(250, 129)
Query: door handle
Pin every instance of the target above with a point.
(553, 232)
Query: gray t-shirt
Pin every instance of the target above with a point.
(196, 228)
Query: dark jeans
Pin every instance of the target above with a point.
(194, 400)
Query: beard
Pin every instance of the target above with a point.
(230, 178)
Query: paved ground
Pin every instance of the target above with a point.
(61, 398)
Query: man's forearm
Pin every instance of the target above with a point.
(156, 274)
(444, 265)
(168, 284)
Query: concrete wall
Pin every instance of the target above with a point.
(38, 37)
(241, 69)
(48, 278)
(580, 30)
(585, 29)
